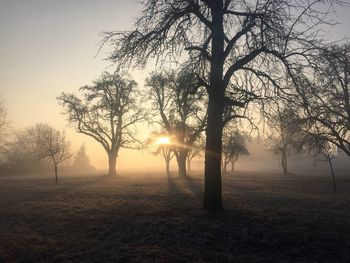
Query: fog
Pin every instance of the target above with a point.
(146, 164)
(262, 159)
(175, 131)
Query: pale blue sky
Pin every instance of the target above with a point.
(49, 46)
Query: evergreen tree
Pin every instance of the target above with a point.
(81, 160)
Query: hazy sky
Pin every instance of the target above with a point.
(49, 46)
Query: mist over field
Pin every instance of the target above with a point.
(175, 131)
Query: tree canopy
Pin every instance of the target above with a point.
(179, 111)
(47, 143)
(325, 97)
(218, 41)
(108, 112)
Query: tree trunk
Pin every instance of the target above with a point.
(216, 92)
(212, 188)
(167, 167)
(233, 161)
(189, 165)
(112, 162)
(284, 163)
(233, 166)
(225, 166)
(333, 176)
(56, 174)
(181, 162)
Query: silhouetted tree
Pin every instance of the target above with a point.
(81, 160)
(234, 145)
(168, 154)
(285, 133)
(166, 150)
(326, 96)
(108, 112)
(19, 158)
(47, 143)
(195, 150)
(182, 113)
(223, 38)
(322, 150)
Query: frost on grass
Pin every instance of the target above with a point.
(268, 218)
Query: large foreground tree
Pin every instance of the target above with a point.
(107, 112)
(223, 39)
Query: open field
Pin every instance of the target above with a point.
(141, 218)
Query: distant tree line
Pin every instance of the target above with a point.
(41, 148)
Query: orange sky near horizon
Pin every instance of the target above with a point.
(48, 47)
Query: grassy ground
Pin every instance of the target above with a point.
(267, 218)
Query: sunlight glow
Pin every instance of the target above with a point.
(163, 140)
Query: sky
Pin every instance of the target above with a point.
(50, 46)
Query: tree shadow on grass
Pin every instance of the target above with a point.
(184, 188)
(194, 185)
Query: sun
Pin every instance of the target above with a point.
(163, 140)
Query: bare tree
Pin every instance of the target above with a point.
(325, 97)
(234, 146)
(223, 38)
(18, 157)
(196, 149)
(47, 143)
(182, 113)
(164, 147)
(108, 112)
(285, 133)
(322, 150)
(168, 154)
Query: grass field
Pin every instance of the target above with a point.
(142, 218)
